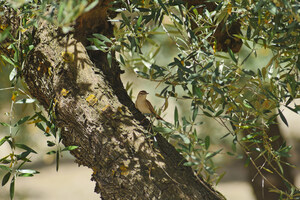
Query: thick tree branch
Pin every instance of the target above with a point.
(110, 138)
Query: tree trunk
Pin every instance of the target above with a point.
(95, 113)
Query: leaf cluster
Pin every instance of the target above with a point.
(244, 100)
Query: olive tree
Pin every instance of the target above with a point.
(69, 53)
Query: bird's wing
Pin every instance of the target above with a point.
(150, 107)
(152, 110)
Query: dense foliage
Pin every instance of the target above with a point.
(244, 100)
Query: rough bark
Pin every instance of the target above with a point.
(114, 139)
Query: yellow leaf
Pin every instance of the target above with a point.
(49, 71)
(166, 104)
(105, 108)
(92, 100)
(160, 155)
(67, 56)
(47, 130)
(229, 110)
(94, 170)
(125, 173)
(215, 47)
(268, 170)
(23, 30)
(229, 9)
(14, 95)
(13, 98)
(3, 26)
(64, 92)
(124, 170)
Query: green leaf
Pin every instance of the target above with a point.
(27, 172)
(60, 11)
(91, 6)
(218, 90)
(102, 37)
(12, 188)
(40, 126)
(5, 160)
(164, 130)
(282, 117)
(207, 142)
(138, 23)
(248, 32)
(163, 6)
(190, 163)
(109, 59)
(25, 147)
(176, 122)
(207, 66)
(122, 59)
(247, 162)
(247, 104)
(225, 136)
(125, 19)
(41, 116)
(219, 113)
(142, 74)
(92, 48)
(210, 155)
(195, 113)
(185, 139)
(21, 121)
(197, 91)
(70, 148)
(13, 74)
(4, 124)
(249, 72)
(4, 139)
(99, 44)
(232, 55)
(4, 34)
(25, 175)
(50, 144)
(220, 177)
(6, 178)
(8, 60)
(51, 152)
(22, 101)
(3, 167)
(207, 114)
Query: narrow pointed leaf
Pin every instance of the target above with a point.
(5, 178)
(282, 117)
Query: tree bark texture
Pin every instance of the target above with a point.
(95, 113)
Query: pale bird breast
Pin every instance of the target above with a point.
(142, 106)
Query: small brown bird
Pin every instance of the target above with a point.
(144, 106)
